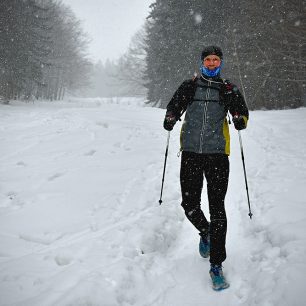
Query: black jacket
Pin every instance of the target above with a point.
(206, 102)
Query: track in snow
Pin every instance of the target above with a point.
(80, 222)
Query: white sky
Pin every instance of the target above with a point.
(110, 23)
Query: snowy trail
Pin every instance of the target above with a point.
(80, 222)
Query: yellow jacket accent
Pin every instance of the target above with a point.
(245, 120)
(226, 135)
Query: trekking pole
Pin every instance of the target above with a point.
(240, 140)
(245, 177)
(166, 154)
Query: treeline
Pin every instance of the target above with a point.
(264, 45)
(42, 50)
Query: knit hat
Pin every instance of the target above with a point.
(212, 50)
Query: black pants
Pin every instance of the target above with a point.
(215, 167)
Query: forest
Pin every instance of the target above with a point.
(43, 51)
(264, 46)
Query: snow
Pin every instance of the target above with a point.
(297, 23)
(198, 18)
(80, 222)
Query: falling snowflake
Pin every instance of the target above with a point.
(297, 23)
(198, 18)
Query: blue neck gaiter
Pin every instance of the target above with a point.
(210, 73)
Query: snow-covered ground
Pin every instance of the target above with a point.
(80, 222)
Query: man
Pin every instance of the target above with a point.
(205, 149)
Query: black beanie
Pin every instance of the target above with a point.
(211, 50)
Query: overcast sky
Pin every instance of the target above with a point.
(110, 23)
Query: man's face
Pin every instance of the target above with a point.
(212, 61)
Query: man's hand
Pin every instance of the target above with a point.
(169, 121)
(239, 122)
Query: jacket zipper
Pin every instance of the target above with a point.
(204, 116)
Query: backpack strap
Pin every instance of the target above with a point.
(195, 76)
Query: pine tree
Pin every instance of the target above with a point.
(21, 51)
(168, 48)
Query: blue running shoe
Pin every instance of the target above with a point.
(218, 280)
(204, 247)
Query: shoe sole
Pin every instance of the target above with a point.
(221, 288)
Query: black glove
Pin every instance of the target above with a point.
(239, 122)
(230, 88)
(169, 121)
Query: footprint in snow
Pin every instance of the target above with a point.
(21, 163)
(63, 259)
(103, 124)
(55, 176)
(11, 195)
(90, 153)
(12, 200)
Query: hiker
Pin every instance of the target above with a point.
(205, 146)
